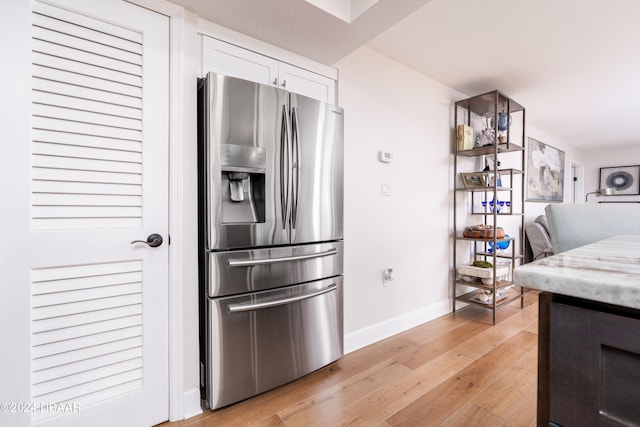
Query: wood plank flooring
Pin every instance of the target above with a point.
(457, 370)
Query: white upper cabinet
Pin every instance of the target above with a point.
(306, 83)
(234, 61)
(231, 60)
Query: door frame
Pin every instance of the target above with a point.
(577, 182)
(178, 408)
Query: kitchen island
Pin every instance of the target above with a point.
(589, 333)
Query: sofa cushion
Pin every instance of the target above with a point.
(538, 241)
(542, 220)
(572, 226)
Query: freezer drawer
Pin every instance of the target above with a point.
(259, 341)
(237, 272)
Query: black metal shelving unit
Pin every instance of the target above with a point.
(477, 112)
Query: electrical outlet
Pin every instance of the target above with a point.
(387, 277)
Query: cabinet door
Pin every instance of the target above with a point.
(594, 376)
(234, 61)
(306, 83)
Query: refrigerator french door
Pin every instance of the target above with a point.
(274, 163)
(271, 250)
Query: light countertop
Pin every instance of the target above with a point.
(607, 271)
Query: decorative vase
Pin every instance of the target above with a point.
(502, 121)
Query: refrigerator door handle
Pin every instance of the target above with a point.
(295, 136)
(262, 261)
(284, 168)
(236, 308)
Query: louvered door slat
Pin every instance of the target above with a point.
(87, 282)
(65, 101)
(54, 187)
(85, 330)
(83, 92)
(84, 306)
(74, 163)
(52, 360)
(51, 61)
(92, 387)
(83, 365)
(77, 115)
(87, 294)
(80, 140)
(90, 59)
(82, 29)
(71, 320)
(60, 57)
(78, 379)
(84, 176)
(75, 19)
(44, 275)
(73, 359)
(78, 152)
(82, 80)
(85, 128)
(87, 341)
(75, 41)
(88, 200)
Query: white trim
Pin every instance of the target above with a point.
(192, 403)
(371, 334)
(224, 34)
(577, 189)
(176, 218)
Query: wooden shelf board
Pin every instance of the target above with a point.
(484, 104)
(490, 239)
(512, 295)
(476, 283)
(505, 256)
(485, 189)
(490, 149)
(497, 213)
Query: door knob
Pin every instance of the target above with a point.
(154, 240)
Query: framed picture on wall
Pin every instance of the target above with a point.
(545, 172)
(625, 180)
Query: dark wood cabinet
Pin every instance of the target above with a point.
(589, 363)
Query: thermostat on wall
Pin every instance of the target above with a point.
(386, 156)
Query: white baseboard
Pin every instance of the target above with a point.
(371, 334)
(192, 405)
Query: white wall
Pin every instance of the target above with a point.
(393, 108)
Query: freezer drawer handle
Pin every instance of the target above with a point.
(250, 262)
(236, 308)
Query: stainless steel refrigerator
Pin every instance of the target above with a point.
(271, 237)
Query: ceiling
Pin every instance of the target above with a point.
(574, 64)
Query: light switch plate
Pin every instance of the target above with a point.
(386, 189)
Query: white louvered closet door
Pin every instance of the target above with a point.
(99, 180)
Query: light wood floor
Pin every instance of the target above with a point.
(457, 370)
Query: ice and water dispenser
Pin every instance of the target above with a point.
(242, 183)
